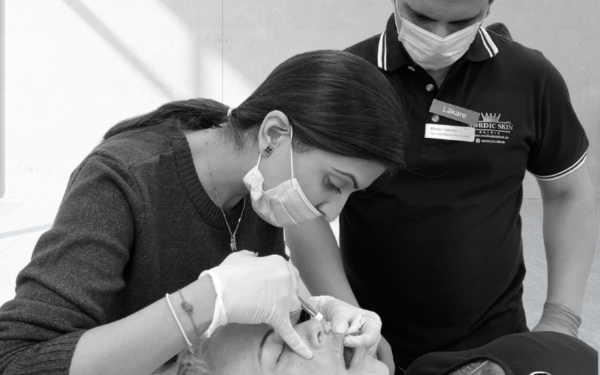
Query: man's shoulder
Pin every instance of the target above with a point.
(516, 53)
(367, 49)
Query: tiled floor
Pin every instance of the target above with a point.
(22, 221)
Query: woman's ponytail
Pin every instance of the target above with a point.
(192, 114)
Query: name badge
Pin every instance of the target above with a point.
(454, 112)
(449, 132)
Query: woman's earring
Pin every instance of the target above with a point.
(268, 150)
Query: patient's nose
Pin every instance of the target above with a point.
(312, 330)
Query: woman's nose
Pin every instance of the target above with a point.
(313, 331)
(332, 208)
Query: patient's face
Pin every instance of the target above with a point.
(256, 349)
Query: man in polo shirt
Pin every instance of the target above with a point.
(436, 249)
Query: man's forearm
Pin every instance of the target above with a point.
(569, 237)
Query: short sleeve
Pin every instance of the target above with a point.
(561, 145)
(75, 271)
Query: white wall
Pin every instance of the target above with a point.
(73, 68)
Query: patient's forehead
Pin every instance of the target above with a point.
(234, 347)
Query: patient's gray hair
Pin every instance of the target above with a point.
(194, 360)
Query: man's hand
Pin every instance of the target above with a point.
(558, 318)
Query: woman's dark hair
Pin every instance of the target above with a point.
(335, 102)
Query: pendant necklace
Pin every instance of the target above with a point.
(232, 234)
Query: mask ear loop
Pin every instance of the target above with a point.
(291, 151)
(299, 189)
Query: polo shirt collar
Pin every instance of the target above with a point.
(392, 55)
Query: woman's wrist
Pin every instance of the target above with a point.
(201, 296)
(142, 341)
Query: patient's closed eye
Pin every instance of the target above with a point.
(272, 348)
(283, 349)
(281, 352)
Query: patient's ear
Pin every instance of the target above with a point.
(194, 360)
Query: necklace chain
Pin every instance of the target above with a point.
(232, 234)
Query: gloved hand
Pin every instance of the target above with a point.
(253, 290)
(558, 318)
(350, 320)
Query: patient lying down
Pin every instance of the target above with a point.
(257, 349)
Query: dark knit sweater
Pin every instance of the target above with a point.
(134, 224)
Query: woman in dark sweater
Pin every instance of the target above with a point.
(165, 197)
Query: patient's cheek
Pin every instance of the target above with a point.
(232, 349)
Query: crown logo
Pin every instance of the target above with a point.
(491, 117)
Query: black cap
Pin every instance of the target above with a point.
(531, 353)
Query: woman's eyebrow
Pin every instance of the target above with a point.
(262, 343)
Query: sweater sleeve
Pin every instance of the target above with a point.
(75, 272)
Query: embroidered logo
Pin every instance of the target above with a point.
(491, 130)
(490, 117)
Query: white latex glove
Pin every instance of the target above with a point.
(253, 290)
(361, 327)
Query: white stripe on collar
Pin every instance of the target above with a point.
(488, 42)
(382, 53)
(484, 43)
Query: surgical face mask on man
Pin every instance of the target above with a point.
(285, 204)
(431, 51)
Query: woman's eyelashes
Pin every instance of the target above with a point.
(332, 187)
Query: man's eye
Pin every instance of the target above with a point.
(462, 25)
(419, 17)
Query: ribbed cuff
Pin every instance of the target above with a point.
(49, 358)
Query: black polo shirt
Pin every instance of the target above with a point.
(436, 250)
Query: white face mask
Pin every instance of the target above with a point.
(285, 204)
(430, 51)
